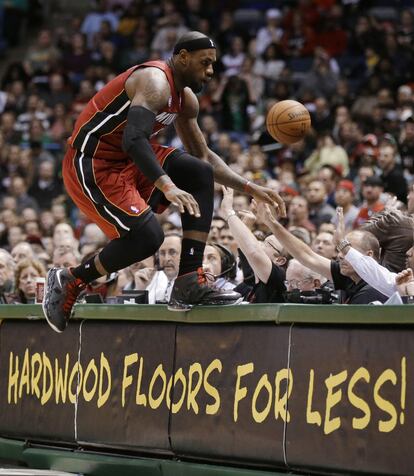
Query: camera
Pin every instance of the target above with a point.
(316, 296)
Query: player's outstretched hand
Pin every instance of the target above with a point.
(269, 196)
(182, 199)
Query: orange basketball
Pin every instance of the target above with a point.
(288, 121)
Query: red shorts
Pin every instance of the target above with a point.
(112, 194)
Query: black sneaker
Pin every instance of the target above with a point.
(191, 290)
(61, 292)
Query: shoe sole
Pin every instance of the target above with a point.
(44, 301)
(189, 307)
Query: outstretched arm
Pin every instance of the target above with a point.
(194, 142)
(297, 248)
(246, 241)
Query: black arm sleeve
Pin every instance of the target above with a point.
(135, 141)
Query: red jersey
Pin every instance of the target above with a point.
(99, 128)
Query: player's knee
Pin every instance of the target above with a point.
(151, 234)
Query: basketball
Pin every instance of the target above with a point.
(288, 121)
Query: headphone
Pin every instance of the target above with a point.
(228, 262)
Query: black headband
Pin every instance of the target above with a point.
(192, 45)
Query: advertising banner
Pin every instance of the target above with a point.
(38, 380)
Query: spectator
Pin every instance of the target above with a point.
(268, 262)
(342, 274)
(7, 265)
(271, 32)
(169, 256)
(220, 264)
(344, 198)
(22, 251)
(372, 188)
(392, 174)
(324, 245)
(27, 270)
(47, 186)
(319, 209)
(298, 214)
(18, 189)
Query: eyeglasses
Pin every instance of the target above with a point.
(279, 252)
(296, 283)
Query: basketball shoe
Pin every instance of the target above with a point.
(191, 290)
(61, 291)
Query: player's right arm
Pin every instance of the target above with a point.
(149, 92)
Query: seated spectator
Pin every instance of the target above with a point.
(301, 281)
(372, 188)
(7, 266)
(328, 153)
(268, 261)
(392, 173)
(65, 258)
(169, 256)
(324, 244)
(342, 274)
(26, 273)
(220, 264)
(319, 209)
(46, 186)
(394, 231)
(18, 189)
(298, 214)
(22, 251)
(146, 276)
(344, 198)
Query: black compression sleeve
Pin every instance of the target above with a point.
(135, 141)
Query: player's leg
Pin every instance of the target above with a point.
(196, 177)
(122, 214)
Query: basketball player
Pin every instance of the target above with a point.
(119, 176)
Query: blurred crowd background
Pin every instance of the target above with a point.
(351, 62)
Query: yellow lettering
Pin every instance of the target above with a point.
(36, 373)
(179, 376)
(103, 397)
(61, 381)
(212, 408)
(24, 375)
(312, 417)
(362, 422)
(403, 388)
(192, 392)
(241, 392)
(13, 378)
(159, 373)
(47, 370)
(127, 379)
(77, 372)
(140, 398)
(385, 426)
(332, 398)
(260, 416)
(281, 402)
(88, 395)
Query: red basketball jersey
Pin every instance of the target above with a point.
(99, 128)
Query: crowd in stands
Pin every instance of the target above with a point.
(350, 62)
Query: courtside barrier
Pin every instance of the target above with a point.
(242, 390)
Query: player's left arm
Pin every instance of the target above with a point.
(195, 144)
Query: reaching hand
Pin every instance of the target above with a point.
(183, 200)
(143, 277)
(227, 203)
(269, 196)
(340, 228)
(405, 282)
(248, 218)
